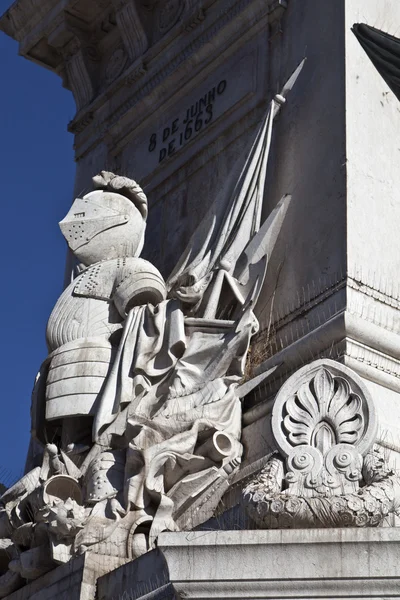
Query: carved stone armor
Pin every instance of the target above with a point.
(76, 375)
(105, 476)
(79, 329)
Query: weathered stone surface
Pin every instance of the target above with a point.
(339, 296)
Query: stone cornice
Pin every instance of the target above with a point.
(24, 15)
(35, 24)
(49, 31)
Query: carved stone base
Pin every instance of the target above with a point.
(263, 564)
(237, 564)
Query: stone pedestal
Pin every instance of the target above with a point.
(319, 563)
(284, 564)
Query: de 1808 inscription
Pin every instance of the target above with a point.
(183, 128)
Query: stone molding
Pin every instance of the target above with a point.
(23, 16)
(376, 302)
(386, 289)
(78, 75)
(353, 319)
(292, 564)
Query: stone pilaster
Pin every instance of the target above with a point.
(338, 260)
(131, 29)
(79, 79)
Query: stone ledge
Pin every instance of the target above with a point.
(324, 563)
(145, 577)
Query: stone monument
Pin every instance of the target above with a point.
(218, 414)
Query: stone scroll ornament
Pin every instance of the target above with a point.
(327, 471)
(136, 411)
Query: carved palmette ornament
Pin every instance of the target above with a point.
(327, 471)
(323, 422)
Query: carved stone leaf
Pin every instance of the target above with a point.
(323, 421)
(298, 432)
(302, 416)
(298, 423)
(324, 387)
(338, 402)
(349, 431)
(308, 400)
(349, 410)
(345, 410)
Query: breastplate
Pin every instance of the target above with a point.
(77, 317)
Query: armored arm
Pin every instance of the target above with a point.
(137, 282)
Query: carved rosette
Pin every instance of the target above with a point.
(328, 472)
